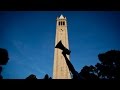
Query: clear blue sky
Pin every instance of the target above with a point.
(29, 37)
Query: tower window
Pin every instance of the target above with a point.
(59, 23)
(63, 23)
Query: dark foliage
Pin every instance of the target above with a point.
(32, 76)
(108, 68)
(47, 77)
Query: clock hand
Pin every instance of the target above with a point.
(61, 29)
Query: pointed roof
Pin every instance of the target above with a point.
(61, 17)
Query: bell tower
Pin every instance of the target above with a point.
(60, 68)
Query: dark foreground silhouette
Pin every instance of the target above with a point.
(107, 69)
(3, 59)
(32, 76)
(75, 74)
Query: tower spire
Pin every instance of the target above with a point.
(61, 17)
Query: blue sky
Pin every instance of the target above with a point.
(29, 37)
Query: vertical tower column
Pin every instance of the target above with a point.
(60, 68)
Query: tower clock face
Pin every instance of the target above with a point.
(60, 30)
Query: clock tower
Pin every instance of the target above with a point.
(60, 68)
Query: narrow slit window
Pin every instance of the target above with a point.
(59, 23)
(63, 23)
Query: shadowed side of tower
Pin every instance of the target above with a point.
(60, 68)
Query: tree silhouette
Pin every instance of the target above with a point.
(108, 68)
(47, 77)
(89, 73)
(110, 65)
(32, 76)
